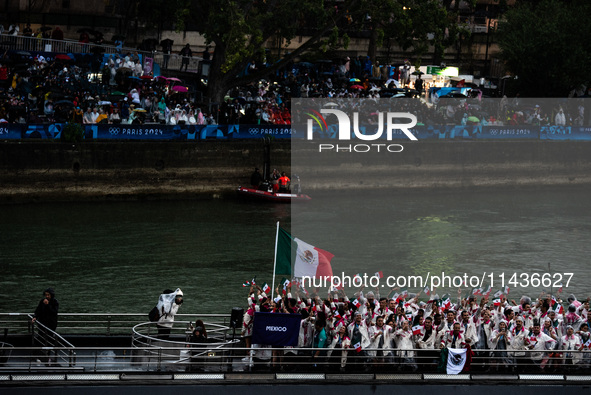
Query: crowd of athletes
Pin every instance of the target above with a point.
(401, 332)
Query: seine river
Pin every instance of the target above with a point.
(117, 257)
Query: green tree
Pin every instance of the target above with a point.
(239, 28)
(546, 45)
(417, 26)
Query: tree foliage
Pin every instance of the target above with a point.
(546, 45)
(417, 26)
(239, 28)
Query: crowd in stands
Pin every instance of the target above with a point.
(371, 330)
(41, 89)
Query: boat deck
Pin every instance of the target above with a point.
(107, 356)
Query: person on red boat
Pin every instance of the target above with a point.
(284, 182)
(256, 178)
(275, 180)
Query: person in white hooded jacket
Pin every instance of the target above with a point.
(168, 305)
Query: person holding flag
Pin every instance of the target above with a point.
(541, 309)
(548, 329)
(518, 343)
(447, 325)
(339, 347)
(359, 335)
(583, 310)
(539, 342)
(403, 338)
(425, 335)
(383, 310)
(500, 342)
(570, 341)
(572, 318)
(380, 336)
(454, 338)
(306, 334)
(557, 323)
(484, 327)
(468, 328)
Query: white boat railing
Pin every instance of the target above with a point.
(53, 348)
(228, 358)
(99, 324)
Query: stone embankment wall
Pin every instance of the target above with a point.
(54, 171)
(41, 171)
(449, 164)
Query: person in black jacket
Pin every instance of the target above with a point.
(186, 54)
(46, 312)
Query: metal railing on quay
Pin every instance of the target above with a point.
(175, 61)
(95, 323)
(24, 43)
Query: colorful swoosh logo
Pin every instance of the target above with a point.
(316, 116)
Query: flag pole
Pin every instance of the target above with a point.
(275, 259)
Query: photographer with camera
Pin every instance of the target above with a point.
(168, 305)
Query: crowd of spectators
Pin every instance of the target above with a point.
(373, 331)
(40, 89)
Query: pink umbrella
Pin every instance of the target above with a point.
(179, 88)
(173, 79)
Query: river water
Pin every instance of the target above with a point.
(117, 257)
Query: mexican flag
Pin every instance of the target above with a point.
(456, 359)
(293, 254)
(557, 307)
(416, 330)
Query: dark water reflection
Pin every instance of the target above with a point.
(117, 257)
(413, 234)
